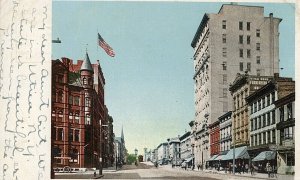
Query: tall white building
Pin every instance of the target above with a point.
(236, 39)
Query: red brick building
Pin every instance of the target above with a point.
(78, 110)
(214, 130)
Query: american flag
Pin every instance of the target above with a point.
(105, 46)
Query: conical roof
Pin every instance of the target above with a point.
(86, 65)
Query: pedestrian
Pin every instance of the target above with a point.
(246, 168)
(198, 166)
(243, 168)
(269, 169)
(251, 168)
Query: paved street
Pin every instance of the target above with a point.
(148, 171)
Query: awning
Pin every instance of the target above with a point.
(240, 153)
(188, 159)
(213, 157)
(265, 155)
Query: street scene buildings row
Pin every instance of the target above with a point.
(244, 109)
(82, 130)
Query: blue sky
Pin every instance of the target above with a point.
(149, 86)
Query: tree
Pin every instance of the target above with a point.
(131, 158)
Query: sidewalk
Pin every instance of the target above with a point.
(213, 172)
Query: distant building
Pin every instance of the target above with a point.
(262, 115)
(120, 142)
(174, 151)
(238, 38)
(186, 148)
(285, 111)
(162, 153)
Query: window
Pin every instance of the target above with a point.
(281, 114)
(251, 140)
(258, 122)
(290, 159)
(87, 102)
(255, 124)
(224, 65)
(248, 39)
(255, 140)
(240, 25)
(274, 136)
(268, 118)
(273, 97)
(259, 104)
(257, 32)
(268, 100)
(76, 100)
(224, 78)
(70, 99)
(224, 38)
(74, 155)
(224, 52)
(251, 109)
(258, 46)
(252, 125)
(87, 119)
(223, 24)
(259, 139)
(288, 132)
(268, 137)
(60, 96)
(57, 153)
(248, 53)
(71, 135)
(289, 111)
(77, 117)
(255, 107)
(248, 26)
(257, 59)
(241, 66)
(70, 116)
(224, 92)
(258, 72)
(60, 116)
(241, 53)
(241, 39)
(273, 117)
(263, 120)
(264, 138)
(76, 135)
(84, 81)
(60, 78)
(248, 66)
(263, 102)
(60, 134)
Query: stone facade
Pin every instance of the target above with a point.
(225, 132)
(243, 86)
(285, 112)
(214, 133)
(76, 133)
(236, 39)
(262, 115)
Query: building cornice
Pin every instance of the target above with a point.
(199, 30)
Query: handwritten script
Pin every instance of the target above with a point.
(25, 92)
